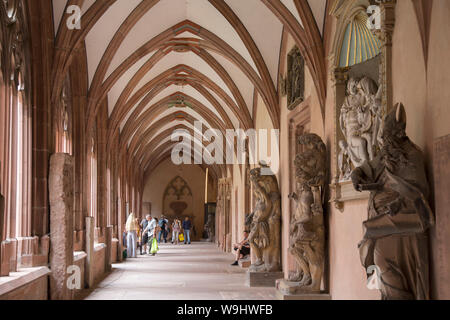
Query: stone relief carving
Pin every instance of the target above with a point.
(360, 120)
(264, 222)
(210, 227)
(307, 235)
(294, 84)
(177, 198)
(395, 239)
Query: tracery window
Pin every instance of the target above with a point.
(15, 121)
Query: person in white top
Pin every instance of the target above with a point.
(150, 229)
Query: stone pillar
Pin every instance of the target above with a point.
(90, 228)
(61, 183)
(108, 242)
(9, 257)
(119, 230)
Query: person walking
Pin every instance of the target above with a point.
(154, 243)
(176, 228)
(187, 225)
(144, 235)
(132, 228)
(162, 232)
(151, 233)
(139, 237)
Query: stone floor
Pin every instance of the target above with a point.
(185, 272)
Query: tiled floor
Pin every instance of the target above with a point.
(185, 272)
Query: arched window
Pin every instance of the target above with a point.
(15, 130)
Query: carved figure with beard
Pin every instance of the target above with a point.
(395, 239)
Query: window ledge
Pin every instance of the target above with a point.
(79, 255)
(99, 246)
(18, 279)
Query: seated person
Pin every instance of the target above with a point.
(242, 249)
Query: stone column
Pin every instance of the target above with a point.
(108, 242)
(61, 183)
(119, 230)
(340, 79)
(90, 234)
(385, 35)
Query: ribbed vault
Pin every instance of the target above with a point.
(161, 65)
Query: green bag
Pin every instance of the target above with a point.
(154, 248)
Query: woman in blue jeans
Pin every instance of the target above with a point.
(187, 225)
(131, 228)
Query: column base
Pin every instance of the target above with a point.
(245, 263)
(262, 279)
(291, 290)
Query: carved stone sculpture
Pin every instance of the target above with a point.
(307, 235)
(395, 240)
(210, 227)
(295, 82)
(264, 221)
(360, 120)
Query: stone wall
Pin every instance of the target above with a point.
(31, 284)
(99, 261)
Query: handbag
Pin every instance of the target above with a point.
(154, 248)
(181, 237)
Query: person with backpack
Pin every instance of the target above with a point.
(163, 230)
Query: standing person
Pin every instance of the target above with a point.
(151, 233)
(144, 235)
(139, 237)
(131, 227)
(187, 225)
(176, 228)
(162, 232)
(154, 243)
(167, 230)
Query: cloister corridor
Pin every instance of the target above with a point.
(311, 135)
(178, 272)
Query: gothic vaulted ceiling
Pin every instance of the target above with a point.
(162, 64)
